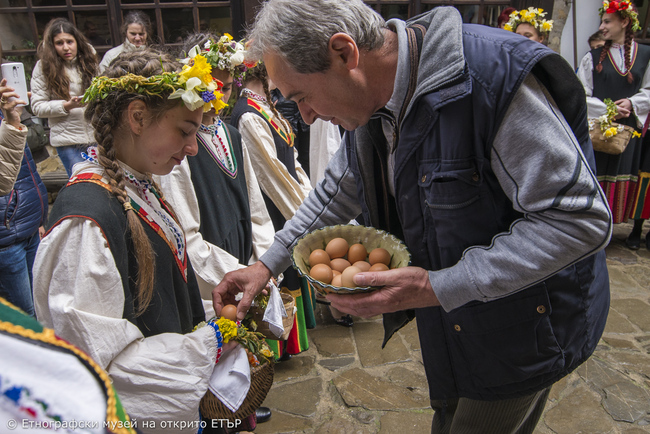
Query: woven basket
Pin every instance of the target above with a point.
(261, 381)
(614, 145)
(287, 323)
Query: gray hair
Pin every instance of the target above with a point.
(300, 30)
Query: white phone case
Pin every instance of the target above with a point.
(15, 75)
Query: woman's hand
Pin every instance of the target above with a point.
(10, 109)
(73, 103)
(624, 108)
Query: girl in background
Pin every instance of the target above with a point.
(619, 71)
(530, 23)
(66, 66)
(285, 184)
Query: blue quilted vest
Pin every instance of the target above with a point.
(526, 341)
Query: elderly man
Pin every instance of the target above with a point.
(472, 145)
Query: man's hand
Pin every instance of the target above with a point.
(401, 288)
(250, 280)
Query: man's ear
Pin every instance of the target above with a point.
(344, 50)
(135, 114)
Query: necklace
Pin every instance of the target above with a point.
(224, 153)
(253, 95)
(161, 220)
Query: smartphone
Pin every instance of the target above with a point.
(15, 74)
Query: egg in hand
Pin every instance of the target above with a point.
(229, 311)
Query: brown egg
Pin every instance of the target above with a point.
(357, 253)
(337, 248)
(347, 275)
(379, 267)
(379, 255)
(336, 280)
(339, 264)
(318, 256)
(229, 311)
(321, 272)
(335, 273)
(362, 265)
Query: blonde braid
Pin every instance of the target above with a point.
(103, 121)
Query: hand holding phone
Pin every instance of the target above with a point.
(14, 73)
(10, 111)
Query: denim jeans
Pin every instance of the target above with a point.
(70, 155)
(16, 262)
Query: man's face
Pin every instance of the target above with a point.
(331, 95)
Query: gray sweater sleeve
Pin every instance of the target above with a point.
(540, 166)
(333, 201)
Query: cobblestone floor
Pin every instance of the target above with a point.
(345, 384)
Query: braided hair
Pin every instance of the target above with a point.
(105, 117)
(629, 38)
(258, 73)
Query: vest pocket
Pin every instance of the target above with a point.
(451, 191)
(505, 341)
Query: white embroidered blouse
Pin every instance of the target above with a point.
(78, 292)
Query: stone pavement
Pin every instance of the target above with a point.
(346, 384)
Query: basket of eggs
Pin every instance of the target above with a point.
(330, 257)
(260, 358)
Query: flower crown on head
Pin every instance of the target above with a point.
(625, 8)
(194, 85)
(226, 54)
(532, 16)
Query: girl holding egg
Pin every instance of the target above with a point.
(112, 274)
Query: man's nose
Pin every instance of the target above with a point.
(308, 115)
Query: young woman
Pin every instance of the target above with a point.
(216, 193)
(619, 71)
(136, 29)
(285, 184)
(112, 274)
(530, 24)
(66, 66)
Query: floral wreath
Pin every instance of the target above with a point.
(532, 16)
(625, 8)
(226, 54)
(194, 85)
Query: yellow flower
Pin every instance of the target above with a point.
(540, 10)
(200, 69)
(217, 103)
(547, 26)
(267, 352)
(507, 27)
(228, 36)
(227, 328)
(636, 134)
(610, 132)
